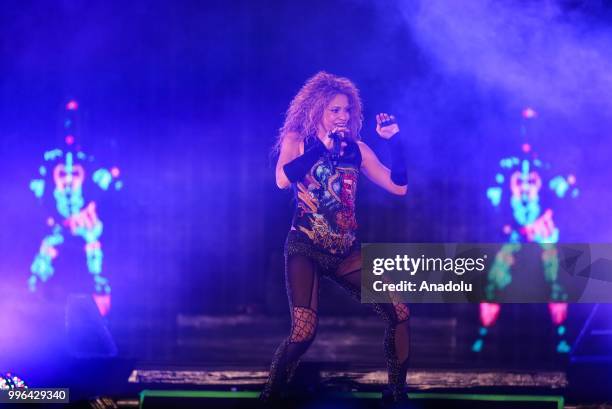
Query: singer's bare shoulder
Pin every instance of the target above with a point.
(292, 137)
(365, 150)
(295, 143)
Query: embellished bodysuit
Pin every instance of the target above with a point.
(324, 216)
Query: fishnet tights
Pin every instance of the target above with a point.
(304, 324)
(302, 279)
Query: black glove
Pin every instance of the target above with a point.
(398, 160)
(297, 168)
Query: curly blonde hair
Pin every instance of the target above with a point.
(306, 109)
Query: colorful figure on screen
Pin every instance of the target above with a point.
(532, 222)
(67, 171)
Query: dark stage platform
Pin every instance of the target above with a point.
(222, 361)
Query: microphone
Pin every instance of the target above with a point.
(336, 138)
(337, 135)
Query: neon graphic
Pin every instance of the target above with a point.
(66, 169)
(520, 185)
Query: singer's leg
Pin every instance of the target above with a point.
(397, 334)
(302, 281)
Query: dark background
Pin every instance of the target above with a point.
(186, 99)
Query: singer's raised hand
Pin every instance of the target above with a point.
(386, 125)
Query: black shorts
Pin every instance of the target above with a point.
(298, 243)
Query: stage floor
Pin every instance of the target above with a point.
(249, 341)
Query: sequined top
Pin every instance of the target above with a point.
(325, 200)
